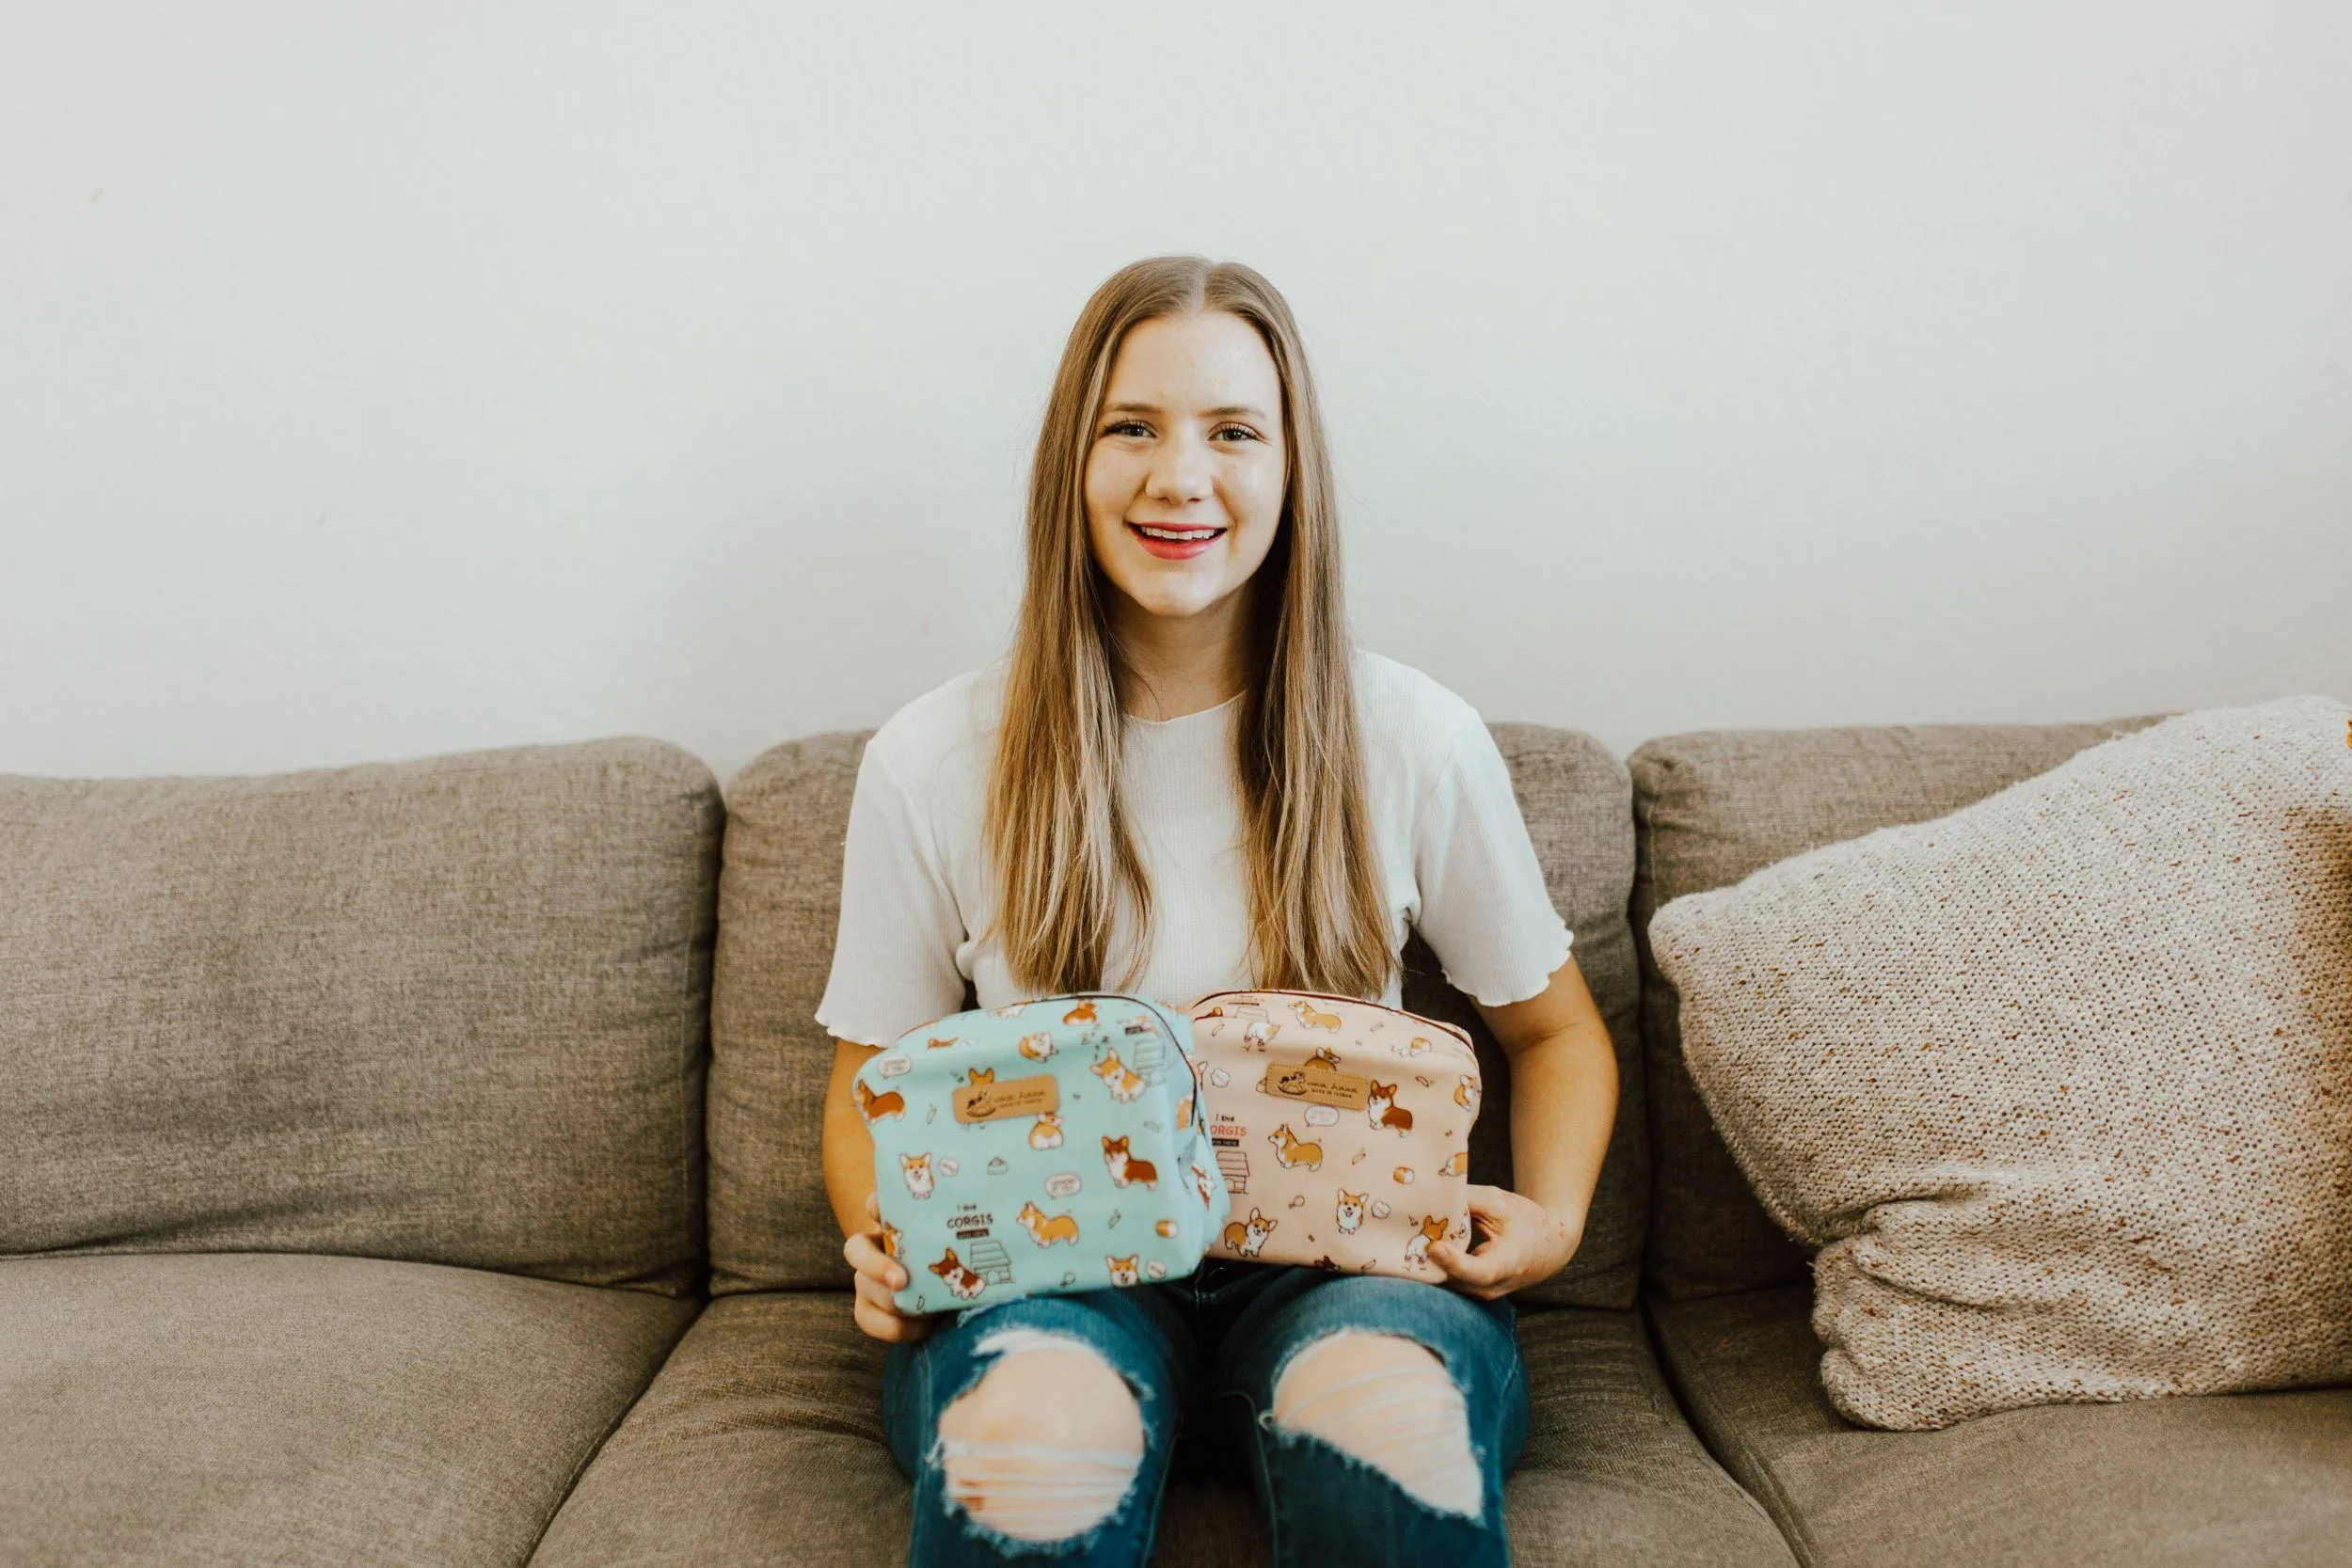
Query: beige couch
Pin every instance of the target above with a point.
(417, 1163)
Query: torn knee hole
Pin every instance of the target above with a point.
(1046, 1444)
(1388, 1402)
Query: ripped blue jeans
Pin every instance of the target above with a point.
(1241, 1323)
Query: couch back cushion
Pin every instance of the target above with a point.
(1712, 806)
(2056, 1082)
(779, 902)
(451, 1011)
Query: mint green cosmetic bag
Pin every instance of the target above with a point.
(1047, 1147)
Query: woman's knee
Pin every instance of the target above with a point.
(1388, 1402)
(1048, 1444)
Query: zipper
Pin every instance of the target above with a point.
(1168, 1023)
(1454, 1029)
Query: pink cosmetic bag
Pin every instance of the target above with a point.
(1340, 1128)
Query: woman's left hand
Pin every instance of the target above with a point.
(1522, 1244)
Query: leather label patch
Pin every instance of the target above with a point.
(1015, 1097)
(1317, 1084)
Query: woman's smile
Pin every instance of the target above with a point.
(1176, 541)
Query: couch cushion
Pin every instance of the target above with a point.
(779, 902)
(451, 1011)
(2241, 1478)
(2057, 1082)
(1713, 806)
(251, 1407)
(761, 1442)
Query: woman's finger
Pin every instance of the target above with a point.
(1485, 1267)
(877, 1324)
(881, 1319)
(1494, 1208)
(1487, 1200)
(887, 1272)
(887, 1324)
(867, 1257)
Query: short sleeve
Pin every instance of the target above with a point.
(1484, 908)
(894, 960)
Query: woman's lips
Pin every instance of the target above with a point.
(1176, 549)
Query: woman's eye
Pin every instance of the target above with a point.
(1123, 427)
(1242, 431)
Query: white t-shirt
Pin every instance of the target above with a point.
(1452, 852)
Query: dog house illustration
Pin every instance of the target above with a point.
(989, 1262)
(1233, 1165)
(1144, 1054)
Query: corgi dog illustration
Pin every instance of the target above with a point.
(1289, 1152)
(1124, 1269)
(1349, 1211)
(1047, 1132)
(1411, 1049)
(1324, 1057)
(1457, 1164)
(878, 1107)
(1247, 1239)
(916, 1168)
(1417, 1245)
(1383, 1111)
(1201, 1181)
(949, 1043)
(1044, 1228)
(1143, 1026)
(889, 1240)
(1125, 1084)
(1256, 1033)
(1310, 1019)
(1164, 1228)
(979, 1075)
(1082, 1013)
(1466, 1093)
(1010, 1009)
(1325, 1262)
(1126, 1167)
(1038, 1046)
(1184, 1113)
(962, 1281)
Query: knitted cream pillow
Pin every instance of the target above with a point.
(2060, 1084)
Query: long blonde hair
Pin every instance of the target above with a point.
(1055, 829)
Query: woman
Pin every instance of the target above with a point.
(1185, 778)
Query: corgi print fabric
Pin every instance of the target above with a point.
(1339, 1128)
(1045, 1147)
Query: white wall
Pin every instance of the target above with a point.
(384, 381)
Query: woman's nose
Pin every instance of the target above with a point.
(1180, 470)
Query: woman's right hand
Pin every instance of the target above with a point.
(878, 1275)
